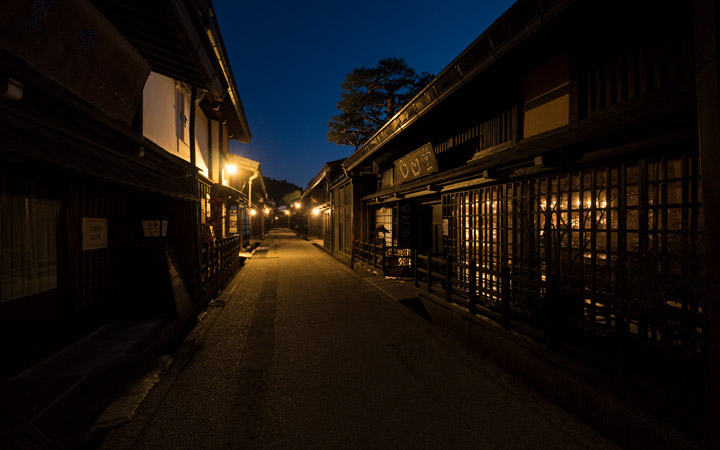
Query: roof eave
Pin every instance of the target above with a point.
(410, 112)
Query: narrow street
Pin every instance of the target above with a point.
(301, 352)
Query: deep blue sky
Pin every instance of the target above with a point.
(289, 59)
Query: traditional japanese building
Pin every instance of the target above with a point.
(317, 205)
(546, 192)
(247, 218)
(116, 121)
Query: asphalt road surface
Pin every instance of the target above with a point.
(300, 352)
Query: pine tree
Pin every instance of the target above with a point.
(370, 97)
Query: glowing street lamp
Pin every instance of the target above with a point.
(315, 211)
(267, 211)
(231, 169)
(253, 212)
(297, 205)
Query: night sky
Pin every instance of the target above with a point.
(289, 59)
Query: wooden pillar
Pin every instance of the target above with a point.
(193, 106)
(472, 285)
(708, 98)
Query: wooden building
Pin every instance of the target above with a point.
(316, 201)
(116, 120)
(248, 180)
(545, 191)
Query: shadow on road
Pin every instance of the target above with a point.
(417, 307)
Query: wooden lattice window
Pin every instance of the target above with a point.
(624, 240)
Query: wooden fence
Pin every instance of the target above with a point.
(564, 320)
(219, 260)
(390, 260)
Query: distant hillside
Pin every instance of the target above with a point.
(277, 189)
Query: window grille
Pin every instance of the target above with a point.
(623, 240)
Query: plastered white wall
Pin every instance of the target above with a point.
(201, 142)
(215, 176)
(160, 97)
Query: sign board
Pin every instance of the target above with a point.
(208, 213)
(233, 220)
(416, 164)
(94, 233)
(154, 228)
(407, 220)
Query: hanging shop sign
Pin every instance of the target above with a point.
(417, 164)
(154, 228)
(233, 220)
(94, 233)
(407, 220)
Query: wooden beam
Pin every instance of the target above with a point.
(708, 98)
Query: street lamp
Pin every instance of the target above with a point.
(297, 205)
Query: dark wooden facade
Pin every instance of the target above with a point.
(97, 223)
(561, 197)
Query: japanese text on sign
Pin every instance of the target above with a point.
(419, 163)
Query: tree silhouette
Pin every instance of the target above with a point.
(370, 97)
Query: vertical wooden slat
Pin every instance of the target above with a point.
(643, 219)
(609, 77)
(631, 62)
(622, 212)
(558, 232)
(581, 229)
(593, 242)
(643, 224)
(489, 236)
(620, 78)
(642, 66)
(685, 199)
(568, 224)
(658, 64)
(685, 255)
(664, 203)
(672, 59)
(599, 85)
(609, 267)
(664, 214)
(695, 206)
(590, 92)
